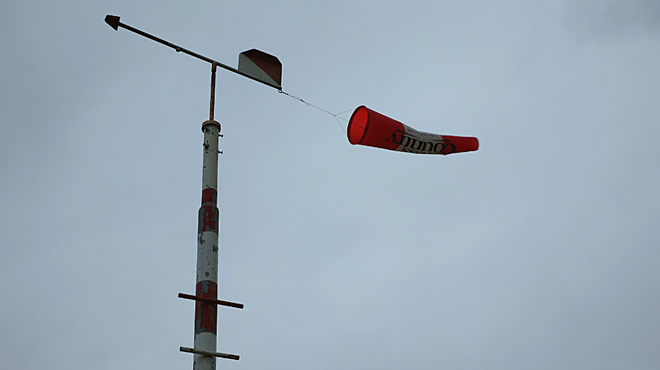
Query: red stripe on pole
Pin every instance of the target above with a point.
(206, 314)
(209, 217)
(209, 196)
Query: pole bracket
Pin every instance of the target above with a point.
(209, 353)
(211, 301)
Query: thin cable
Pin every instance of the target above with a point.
(346, 111)
(337, 118)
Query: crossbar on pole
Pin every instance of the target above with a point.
(209, 353)
(211, 300)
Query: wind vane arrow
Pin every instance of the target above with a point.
(253, 64)
(112, 21)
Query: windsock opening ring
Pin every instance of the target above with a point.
(358, 125)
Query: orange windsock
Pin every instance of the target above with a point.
(370, 128)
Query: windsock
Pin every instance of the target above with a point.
(370, 128)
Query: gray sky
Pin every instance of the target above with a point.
(539, 251)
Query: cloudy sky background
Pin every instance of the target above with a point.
(539, 251)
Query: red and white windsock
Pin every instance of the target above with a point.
(370, 128)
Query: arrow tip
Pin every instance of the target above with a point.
(112, 21)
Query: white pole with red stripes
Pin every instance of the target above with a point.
(207, 251)
(208, 222)
(260, 67)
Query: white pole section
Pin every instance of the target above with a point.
(207, 251)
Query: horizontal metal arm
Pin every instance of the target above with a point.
(114, 22)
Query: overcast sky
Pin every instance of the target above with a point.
(538, 251)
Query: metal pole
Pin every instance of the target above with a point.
(207, 245)
(212, 109)
(206, 290)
